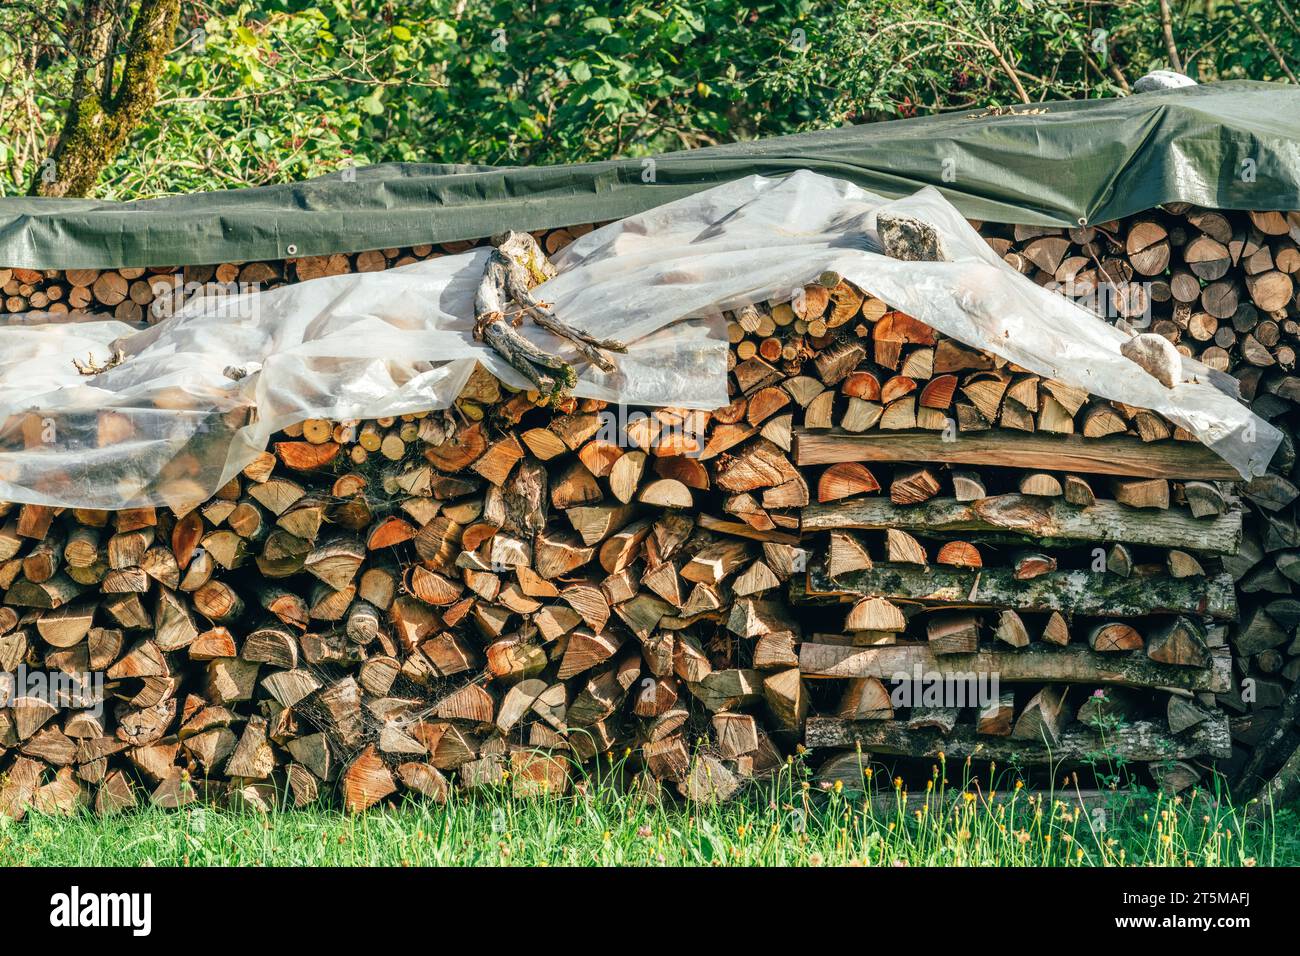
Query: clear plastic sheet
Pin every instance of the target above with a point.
(757, 239)
(169, 424)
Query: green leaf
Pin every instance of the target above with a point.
(603, 90)
(373, 104)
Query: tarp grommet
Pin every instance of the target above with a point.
(291, 249)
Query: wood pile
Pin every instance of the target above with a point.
(967, 519)
(486, 596)
(1224, 287)
(152, 294)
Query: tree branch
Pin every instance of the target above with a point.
(1268, 41)
(1167, 28)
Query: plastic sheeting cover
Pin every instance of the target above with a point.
(169, 426)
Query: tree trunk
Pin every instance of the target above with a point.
(100, 116)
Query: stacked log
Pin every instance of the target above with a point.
(485, 596)
(149, 295)
(1224, 287)
(968, 519)
(482, 597)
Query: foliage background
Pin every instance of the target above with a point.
(265, 91)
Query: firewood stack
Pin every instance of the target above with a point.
(967, 518)
(488, 596)
(151, 295)
(1223, 286)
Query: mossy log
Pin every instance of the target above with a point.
(1076, 664)
(1139, 741)
(1046, 522)
(1070, 592)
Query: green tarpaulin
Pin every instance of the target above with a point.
(1224, 145)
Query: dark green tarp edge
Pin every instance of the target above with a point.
(1224, 145)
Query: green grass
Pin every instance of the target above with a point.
(785, 821)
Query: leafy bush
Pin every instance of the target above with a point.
(264, 91)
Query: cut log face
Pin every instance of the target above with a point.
(875, 614)
(995, 718)
(366, 781)
(1056, 631)
(1149, 493)
(1115, 637)
(846, 553)
(953, 633)
(844, 481)
(1011, 629)
(866, 699)
(958, 554)
(1179, 642)
(473, 596)
(902, 548)
(1043, 718)
(912, 486)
